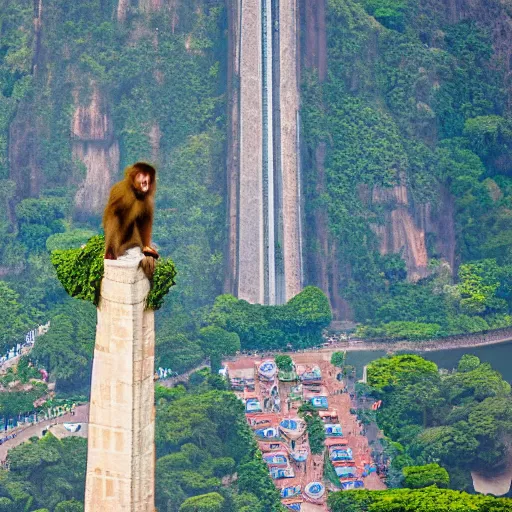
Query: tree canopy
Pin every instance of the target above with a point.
(458, 419)
(430, 499)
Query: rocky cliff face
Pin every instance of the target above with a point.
(495, 14)
(400, 234)
(24, 168)
(94, 145)
(415, 231)
(322, 262)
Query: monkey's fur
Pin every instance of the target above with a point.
(128, 217)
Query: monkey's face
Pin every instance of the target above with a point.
(143, 182)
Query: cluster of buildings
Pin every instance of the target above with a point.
(272, 399)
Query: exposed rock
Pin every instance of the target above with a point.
(498, 484)
(406, 226)
(122, 9)
(38, 23)
(154, 140)
(92, 122)
(397, 195)
(494, 190)
(102, 164)
(400, 234)
(23, 153)
(94, 145)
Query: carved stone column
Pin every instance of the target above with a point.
(121, 453)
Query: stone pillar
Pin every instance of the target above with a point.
(121, 453)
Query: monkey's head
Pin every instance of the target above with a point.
(142, 178)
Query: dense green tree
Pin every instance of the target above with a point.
(459, 419)
(478, 383)
(253, 478)
(201, 438)
(338, 359)
(52, 471)
(284, 363)
(394, 370)
(211, 502)
(430, 499)
(217, 342)
(14, 320)
(299, 322)
(417, 477)
(40, 218)
(70, 506)
(247, 502)
(178, 352)
(479, 283)
(66, 349)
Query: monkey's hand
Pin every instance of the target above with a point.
(109, 255)
(148, 266)
(150, 251)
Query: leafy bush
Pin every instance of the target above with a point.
(391, 13)
(299, 322)
(80, 271)
(417, 477)
(338, 359)
(284, 363)
(408, 500)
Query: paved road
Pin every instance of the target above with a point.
(81, 416)
(169, 383)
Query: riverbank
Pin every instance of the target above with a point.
(480, 339)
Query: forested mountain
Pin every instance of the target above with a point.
(407, 132)
(86, 88)
(405, 140)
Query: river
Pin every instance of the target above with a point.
(499, 356)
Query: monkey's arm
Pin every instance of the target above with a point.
(112, 224)
(112, 227)
(145, 226)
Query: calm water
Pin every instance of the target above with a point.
(499, 356)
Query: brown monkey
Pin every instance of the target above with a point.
(128, 216)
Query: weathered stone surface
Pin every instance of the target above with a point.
(95, 145)
(121, 454)
(250, 222)
(289, 94)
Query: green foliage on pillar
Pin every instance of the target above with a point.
(80, 272)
